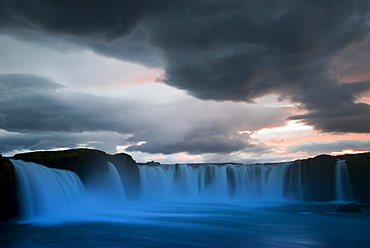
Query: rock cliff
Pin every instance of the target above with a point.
(310, 179)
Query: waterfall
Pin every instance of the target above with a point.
(300, 184)
(294, 181)
(343, 189)
(211, 182)
(46, 192)
(114, 184)
(43, 191)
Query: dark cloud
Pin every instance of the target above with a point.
(333, 108)
(30, 103)
(349, 118)
(352, 64)
(221, 50)
(206, 139)
(37, 113)
(94, 18)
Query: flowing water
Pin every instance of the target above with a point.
(180, 206)
(211, 182)
(343, 190)
(197, 225)
(44, 191)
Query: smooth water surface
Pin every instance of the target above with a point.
(196, 225)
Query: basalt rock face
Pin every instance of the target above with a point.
(350, 208)
(86, 163)
(310, 179)
(7, 190)
(128, 171)
(359, 173)
(90, 165)
(318, 178)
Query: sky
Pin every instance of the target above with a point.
(186, 81)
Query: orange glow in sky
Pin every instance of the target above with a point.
(281, 138)
(347, 151)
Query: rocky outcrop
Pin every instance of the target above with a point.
(313, 177)
(318, 178)
(150, 163)
(351, 208)
(128, 171)
(316, 174)
(359, 172)
(7, 190)
(86, 163)
(90, 165)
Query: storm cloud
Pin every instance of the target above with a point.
(37, 113)
(221, 50)
(31, 103)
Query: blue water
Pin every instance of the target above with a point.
(188, 206)
(195, 225)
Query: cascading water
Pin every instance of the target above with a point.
(43, 191)
(214, 182)
(299, 181)
(343, 189)
(294, 181)
(114, 184)
(105, 187)
(211, 223)
(59, 194)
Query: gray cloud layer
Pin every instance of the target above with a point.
(221, 50)
(18, 142)
(40, 114)
(322, 147)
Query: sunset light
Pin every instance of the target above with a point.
(185, 123)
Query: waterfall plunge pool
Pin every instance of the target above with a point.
(197, 225)
(172, 215)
